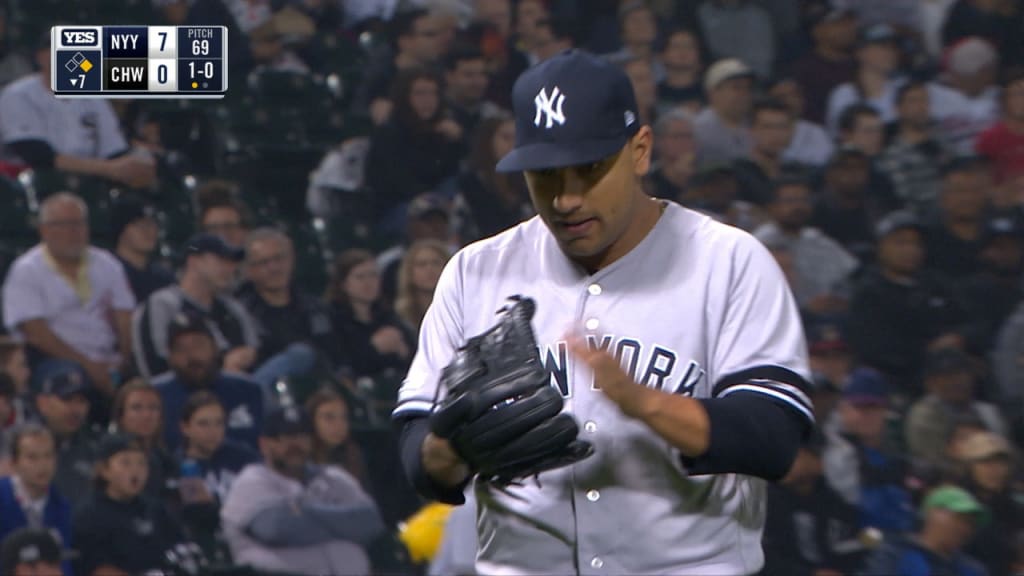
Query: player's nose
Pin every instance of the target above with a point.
(570, 197)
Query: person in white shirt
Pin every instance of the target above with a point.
(811, 144)
(78, 136)
(69, 300)
(967, 100)
(876, 81)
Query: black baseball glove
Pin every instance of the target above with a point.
(501, 414)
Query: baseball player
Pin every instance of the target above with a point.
(671, 340)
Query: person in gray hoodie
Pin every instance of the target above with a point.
(287, 515)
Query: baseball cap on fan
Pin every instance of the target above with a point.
(574, 108)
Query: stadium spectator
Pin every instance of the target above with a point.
(44, 133)
(135, 234)
(875, 84)
(333, 444)
(912, 159)
(952, 240)
(988, 461)
(675, 155)
(950, 517)
(8, 413)
(846, 206)
(1003, 142)
(372, 339)
(530, 16)
(990, 296)
(554, 34)
(811, 144)
(63, 408)
(286, 318)
(31, 552)
(221, 213)
(645, 88)
(138, 412)
(859, 463)
(950, 384)
(428, 217)
(194, 366)
(419, 133)
(810, 529)
(638, 31)
(997, 21)
(681, 58)
(71, 301)
(830, 63)
(771, 131)
(966, 101)
(829, 352)
(861, 127)
(822, 268)
(28, 498)
(739, 29)
(714, 191)
(415, 43)
(898, 309)
(417, 279)
(209, 465)
(203, 290)
(285, 514)
(721, 129)
(220, 459)
(487, 202)
(1008, 368)
(14, 62)
(466, 88)
(119, 530)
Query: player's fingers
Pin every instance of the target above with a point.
(595, 358)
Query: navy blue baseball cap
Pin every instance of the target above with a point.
(212, 244)
(866, 386)
(574, 108)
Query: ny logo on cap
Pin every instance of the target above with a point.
(551, 107)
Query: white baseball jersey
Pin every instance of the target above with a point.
(698, 308)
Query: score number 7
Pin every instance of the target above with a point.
(163, 40)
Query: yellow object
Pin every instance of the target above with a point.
(195, 84)
(86, 65)
(423, 531)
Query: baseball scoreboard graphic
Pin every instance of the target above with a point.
(139, 61)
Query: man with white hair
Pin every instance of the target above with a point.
(967, 101)
(70, 301)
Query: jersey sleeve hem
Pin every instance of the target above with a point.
(777, 382)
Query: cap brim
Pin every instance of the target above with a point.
(547, 155)
(233, 254)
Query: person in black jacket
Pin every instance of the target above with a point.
(897, 311)
(991, 295)
(810, 529)
(138, 411)
(488, 202)
(418, 149)
(371, 337)
(284, 315)
(119, 530)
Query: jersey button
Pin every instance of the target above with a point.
(590, 426)
(593, 495)
(592, 324)
(594, 289)
(596, 562)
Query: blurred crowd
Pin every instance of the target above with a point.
(208, 306)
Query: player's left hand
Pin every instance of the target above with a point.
(632, 398)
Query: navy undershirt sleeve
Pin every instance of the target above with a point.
(751, 434)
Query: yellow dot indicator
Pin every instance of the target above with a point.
(195, 84)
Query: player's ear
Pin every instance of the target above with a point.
(640, 146)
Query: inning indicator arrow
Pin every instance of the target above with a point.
(74, 81)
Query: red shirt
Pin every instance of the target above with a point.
(1004, 148)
